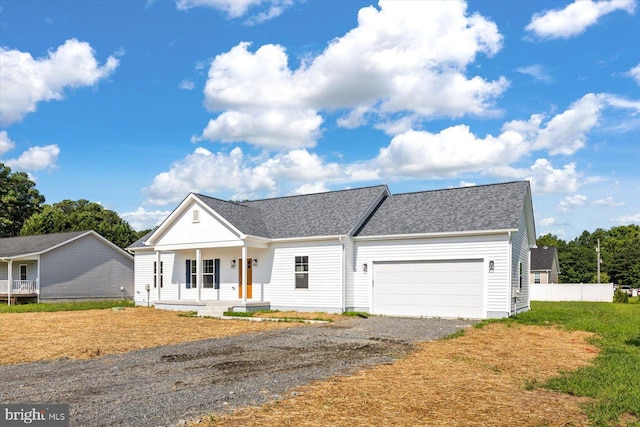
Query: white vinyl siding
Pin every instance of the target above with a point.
(487, 247)
(206, 230)
(520, 255)
(325, 276)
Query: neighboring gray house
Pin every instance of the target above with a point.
(544, 265)
(461, 252)
(75, 265)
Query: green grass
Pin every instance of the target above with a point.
(614, 379)
(257, 313)
(64, 306)
(356, 314)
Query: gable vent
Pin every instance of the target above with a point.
(196, 215)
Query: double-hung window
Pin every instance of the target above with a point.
(210, 273)
(155, 274)
(536, 278)
(302, 272)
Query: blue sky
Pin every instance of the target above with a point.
(134, 104)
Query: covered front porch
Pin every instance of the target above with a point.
(19, 280)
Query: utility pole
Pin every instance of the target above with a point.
(598, 251)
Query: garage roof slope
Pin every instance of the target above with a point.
(466, 209)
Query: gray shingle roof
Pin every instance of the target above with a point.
(140, 242)
(479, 208)
(323, 214)
(23, 245)
(542, 258)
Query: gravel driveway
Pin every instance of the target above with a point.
(163, 385)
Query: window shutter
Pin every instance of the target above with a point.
(188, 277)
(216, 271)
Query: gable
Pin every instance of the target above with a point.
(204, 227)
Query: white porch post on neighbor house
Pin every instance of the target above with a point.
(10, 281)
(244, 272)
(199, 273)
(158, 274)
(38, 280)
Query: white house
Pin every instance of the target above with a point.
(460, 252)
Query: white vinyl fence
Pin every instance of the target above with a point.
(597, 292)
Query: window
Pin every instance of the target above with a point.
(196, 215)
(520, 277)
(536, 277)
(23, 271)
(210, 273)
(207, 273)
(302, 272)
(155, 273)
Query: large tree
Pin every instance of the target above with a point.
(19, 199)
(80, 215)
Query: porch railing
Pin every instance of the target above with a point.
(19, 286)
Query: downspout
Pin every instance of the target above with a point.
(344, 277)
(511, 299)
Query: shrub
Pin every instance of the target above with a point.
(620, 296)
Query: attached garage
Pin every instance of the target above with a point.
(451, 288)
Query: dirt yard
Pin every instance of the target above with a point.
(30, 337)
(486, 377)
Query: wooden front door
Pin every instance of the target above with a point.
(249, 278)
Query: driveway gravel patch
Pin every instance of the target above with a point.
(161, 386)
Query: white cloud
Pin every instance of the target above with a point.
(628, 219)
(141, 219)
(25, 81)
(548, 222)
(36, 158)
(571, 202)
(634, 73)
(187, 85)
(266, 128)
(405, 58)
(608, 201)
(423, 154)
(6, 144)
(246, 177)
(536, 71)
(316, 187)
(239, 8)
(575, 18)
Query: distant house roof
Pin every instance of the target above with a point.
(479, 208)
(542, 258)
(14, 247)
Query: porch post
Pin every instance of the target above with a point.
(244, 272)
(158, 274)
(10, 284)
(199, 272)
(38, 279)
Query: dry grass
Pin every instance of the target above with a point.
(29, 337)
(484, 378)
(302, 315)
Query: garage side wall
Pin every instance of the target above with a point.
(487, 248)
(520, 256)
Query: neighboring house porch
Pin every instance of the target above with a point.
(19, 280)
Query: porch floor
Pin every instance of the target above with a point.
(212, 308)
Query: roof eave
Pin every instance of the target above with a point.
(436, 235)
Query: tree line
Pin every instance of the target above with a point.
(23, 212)
(619, 254)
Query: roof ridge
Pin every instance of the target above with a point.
(459, 188)
(317, 193)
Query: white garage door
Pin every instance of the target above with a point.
(428, 288)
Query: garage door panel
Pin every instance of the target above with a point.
(428, 288)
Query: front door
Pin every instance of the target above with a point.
(249, 279)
